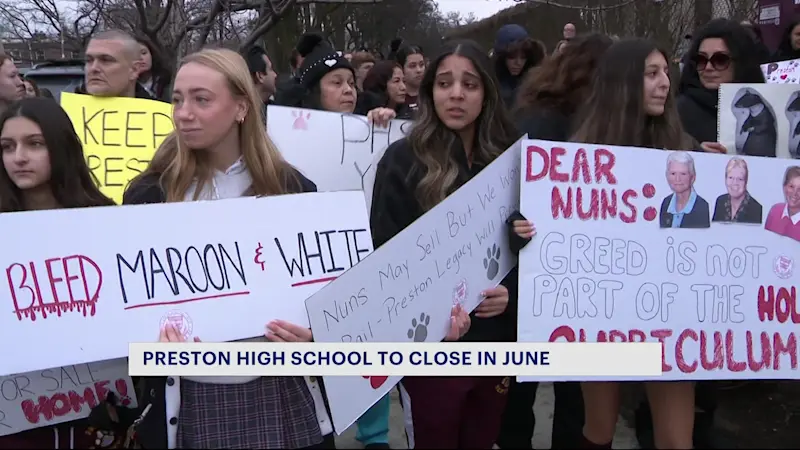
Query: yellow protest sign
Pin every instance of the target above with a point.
(119, 135)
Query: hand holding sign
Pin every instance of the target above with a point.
(282, 331)
(459, 324)
(495, 302)
(171, 334)
(381, 116)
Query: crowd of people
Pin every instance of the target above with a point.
(592, 88)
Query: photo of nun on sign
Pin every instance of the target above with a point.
(758, 133)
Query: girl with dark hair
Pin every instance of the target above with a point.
(789, 47)
(460, 128)
(44, 168)
(721, 52)
(155, 75)
(631, 105)
(546, 105)
(514, 54)
(385, 87)
(43, 160)
(412, 60)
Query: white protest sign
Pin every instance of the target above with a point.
(782, 72)
(333, 150)
(633, 247)
(219, 270)
(52, 396)
(405, 290)
(759, 119)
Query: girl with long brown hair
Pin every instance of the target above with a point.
(545, 107)
(631, 105)
(44, 168)
(220, 150)
(461, 128)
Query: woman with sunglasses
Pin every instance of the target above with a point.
(721, 52)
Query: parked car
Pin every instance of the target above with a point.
(57, 76)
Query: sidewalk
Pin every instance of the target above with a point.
(624, 439)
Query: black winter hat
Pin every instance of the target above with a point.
(319, 58)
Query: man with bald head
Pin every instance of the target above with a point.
(569, 31)
(112, 66)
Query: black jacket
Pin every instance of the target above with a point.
(152, 432)
(394, 207)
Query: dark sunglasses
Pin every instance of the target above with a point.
(719, 61)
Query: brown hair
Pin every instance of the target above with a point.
(614, 113)
(432, 142)
(360, 58)
(564, 80)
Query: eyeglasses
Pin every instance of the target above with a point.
(719, 61)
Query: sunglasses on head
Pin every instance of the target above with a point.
(719, 61)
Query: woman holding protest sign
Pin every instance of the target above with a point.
(219, 150)
(631, 105)
(545, 107)
(43, 168)
(461, 128)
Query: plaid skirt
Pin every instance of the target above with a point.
(266, 413)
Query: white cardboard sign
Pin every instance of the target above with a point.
(632, 247)
(219, 270)
(405, 290)
(333, 150)
(52, 396)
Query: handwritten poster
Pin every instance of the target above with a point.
(404, 291)
(220, 279)
(53, 396)
(782, 72)
(693, 250)
(119, 135)
(333, 150)
(760, 119)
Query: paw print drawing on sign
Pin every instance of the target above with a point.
(300, 120)
(419, 330)
(491, 263)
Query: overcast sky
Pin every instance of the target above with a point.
(481, 8)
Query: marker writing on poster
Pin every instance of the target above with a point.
(173, 276)
(321, 256)
(124, 129)
(588, 167)
(461, 232)
(359, 131)
(54, 286)
(716, 350)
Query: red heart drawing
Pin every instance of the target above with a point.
(376, 381)
(783, 77)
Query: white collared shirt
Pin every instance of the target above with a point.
(794, 218)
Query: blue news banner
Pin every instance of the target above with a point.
(396, 359)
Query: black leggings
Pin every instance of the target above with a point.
(519, 421)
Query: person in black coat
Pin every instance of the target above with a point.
(515, 53)
(721, 52)
(545, 108)
(760, 126)
(737, 205)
